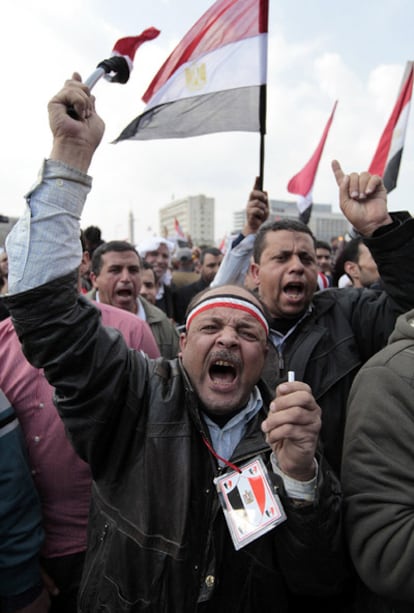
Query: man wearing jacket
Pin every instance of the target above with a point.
(377, 473)
(162, 436)
(326, 336)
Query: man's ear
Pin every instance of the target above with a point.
(183, 340)
(254, 271)
(92, 277)
(351, 269)
(86, 258)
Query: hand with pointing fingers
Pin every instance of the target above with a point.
(363, 200)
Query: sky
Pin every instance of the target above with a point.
(318, 52)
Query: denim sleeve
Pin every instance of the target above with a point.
(45, 242)
(235, 264)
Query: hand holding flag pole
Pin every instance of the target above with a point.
(117, 68)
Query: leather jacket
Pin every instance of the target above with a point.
(157, 537)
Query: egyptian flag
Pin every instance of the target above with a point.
(214, 79)
(387, 158)
(117, 68)
(302, 183)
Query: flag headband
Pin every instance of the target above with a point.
(230, 302)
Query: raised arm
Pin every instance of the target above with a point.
(76, 127)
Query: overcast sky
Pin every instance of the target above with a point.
(319, 52)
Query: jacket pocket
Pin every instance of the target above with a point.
(119, 574)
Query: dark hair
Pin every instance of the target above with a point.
(292, 225)
(348, 253)
(209, 251)
(118, 246)
(323, 245)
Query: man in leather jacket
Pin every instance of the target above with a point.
(158, 434)
(325, 336)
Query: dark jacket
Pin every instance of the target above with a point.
(158, 540)
(344, 328)
(183, 296)
(378, 472)
(21, 531)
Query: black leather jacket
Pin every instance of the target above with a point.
(345, 327)
(157, 537)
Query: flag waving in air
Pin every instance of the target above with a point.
(213, 80)
(118, 67)
(302, 183)
(387, 158)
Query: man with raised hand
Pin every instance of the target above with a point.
(163, 437)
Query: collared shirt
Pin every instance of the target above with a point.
(225, 439)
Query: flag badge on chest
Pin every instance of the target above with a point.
(250, 505)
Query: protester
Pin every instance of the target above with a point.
(183, 270)
(356, 262)
(157, 433)
(157, 251)
(324, 259)
(21, 585)
(326, 336)
(149, 285)
(116, 278)
(210, 260)
(377, 473)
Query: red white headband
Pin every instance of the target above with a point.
(230, 302)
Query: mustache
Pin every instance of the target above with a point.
(225, 356)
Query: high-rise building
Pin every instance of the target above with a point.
(324, 223)
(195, 215)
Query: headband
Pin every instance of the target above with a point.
(231, 302)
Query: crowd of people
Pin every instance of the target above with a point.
(187, 430)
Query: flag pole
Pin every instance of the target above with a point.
(262, 111)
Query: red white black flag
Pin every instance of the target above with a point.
(213, 80)
(387, 159)
(302, 183)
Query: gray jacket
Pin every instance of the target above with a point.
(377, 471)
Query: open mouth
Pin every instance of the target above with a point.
(124, 293)
(294, 290)
(223, 372)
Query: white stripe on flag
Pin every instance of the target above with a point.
(239, 64)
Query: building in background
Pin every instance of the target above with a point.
(195, 215)
(324, 223)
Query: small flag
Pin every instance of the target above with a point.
(178, 230)
(387, 158)
(213, 80)
(127, 47)
(118, 67)
(302, 183)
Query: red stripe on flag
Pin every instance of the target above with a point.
(303, 181)
(127, 46)
(380, 158)
(225, 22)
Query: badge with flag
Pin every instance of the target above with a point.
(387, 159)
(250, 506)
(302, 183)
(213, 80)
